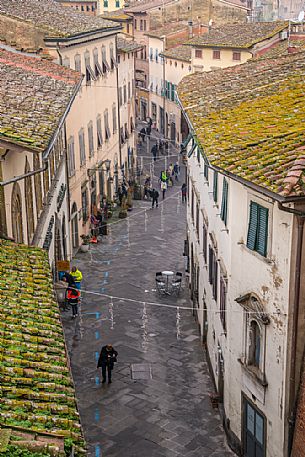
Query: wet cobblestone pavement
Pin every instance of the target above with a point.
(169, 413)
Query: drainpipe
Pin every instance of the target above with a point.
(164, 89)
(296, 306)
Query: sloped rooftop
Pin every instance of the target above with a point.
(240, 35)
(55, 20)
(34, 95)
(179, 52)
(36, 390)
(124, 45)
(168, 29)
(250, 120)
(145, 5)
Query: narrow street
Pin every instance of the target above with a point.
(161, 407)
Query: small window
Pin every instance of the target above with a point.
(117, 3)
(105, 65)
(114, 118)
(71, 157)
(125, 94)
(151, 54)
(224, 202)
(97, 68)
(129, 91)
(216, 55)
(215, 187)
(176, 64)
(120, 96)
(205, 240)
(90, 139)
(99, 131)
(182, 66)
(236, 56)
(254, 352)
(258, 229)
(122, 135)
(126, 131)
(77, 63)
(144, 22)
(90, 75)
(223, 300)
(157, 55)
(141, 24)
(105, 3)
(85, 205)
(88, 8)
(213, 271)
(106, 125)
(135, 24)
(82, 150)
(198, 53)
(113, 62)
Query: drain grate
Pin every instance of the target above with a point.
(141, 371)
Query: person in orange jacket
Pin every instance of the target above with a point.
(72, 297)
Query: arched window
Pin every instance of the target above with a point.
(74, 226)
(16, 208)
(254, 355)
(37, 184)
(29, 203)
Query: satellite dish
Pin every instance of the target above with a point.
(301, 16)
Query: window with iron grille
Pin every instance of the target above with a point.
(99, 131)
(90, 139)
(82, 150)
(213, 271)
(71, 157)
(106, 125)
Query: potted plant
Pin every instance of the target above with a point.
(84, 247)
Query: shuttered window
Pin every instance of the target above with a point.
(204, 241)
(258, 229)
(224, 202)
(99, 131)
(215, 187)
(222, 301)
(173, 87)
(213, 271)
(206, 170)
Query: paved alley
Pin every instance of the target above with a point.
(158, 404)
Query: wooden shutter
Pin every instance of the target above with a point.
(224, 202)
(262, 231)
(210, 265)
(172, 92)
(215, 186)
(252, 228)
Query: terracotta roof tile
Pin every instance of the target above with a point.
(34, 94)
(250, 119)
(52, 18)
(124, 45)
(241, 35)
(179, 52)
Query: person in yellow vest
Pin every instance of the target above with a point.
(77, 275)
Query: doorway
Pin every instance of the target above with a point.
(254, 431)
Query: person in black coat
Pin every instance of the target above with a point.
(154, 195)
(106, 360)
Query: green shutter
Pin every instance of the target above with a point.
(173, 92)
(262, 231)
(206, 170)
(215, 186)
(168, 90)
(224, 202)
(253, 224)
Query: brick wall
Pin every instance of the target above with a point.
(299, 432)
(201, 12)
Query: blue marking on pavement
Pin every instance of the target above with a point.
(97, 335)
(105, 281)
(103, 289)
(106, 274)
(97, 380)
(97, 415)
(96, 356)
(97, 315)
(97, 451)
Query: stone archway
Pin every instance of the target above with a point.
(16, 213)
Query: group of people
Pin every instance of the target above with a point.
(73, 294)
(160, 147)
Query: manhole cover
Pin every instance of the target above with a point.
(141, 371)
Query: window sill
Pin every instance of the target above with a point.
(256, 254)
(256, 374)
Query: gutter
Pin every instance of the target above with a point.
(82, 34)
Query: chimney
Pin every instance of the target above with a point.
(190, 24)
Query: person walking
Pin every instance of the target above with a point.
(155, 195)
(78, 276)
(154, 151)
(176, 170)
(72, 297)
(163, 188)
(67, 277)
(183, 192)
(106, 360)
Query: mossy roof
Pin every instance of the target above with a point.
(55, 20)
(250, 120)
(239, 35)
(36, 388)
(179, 53)
(34, 95)
(124, 45)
